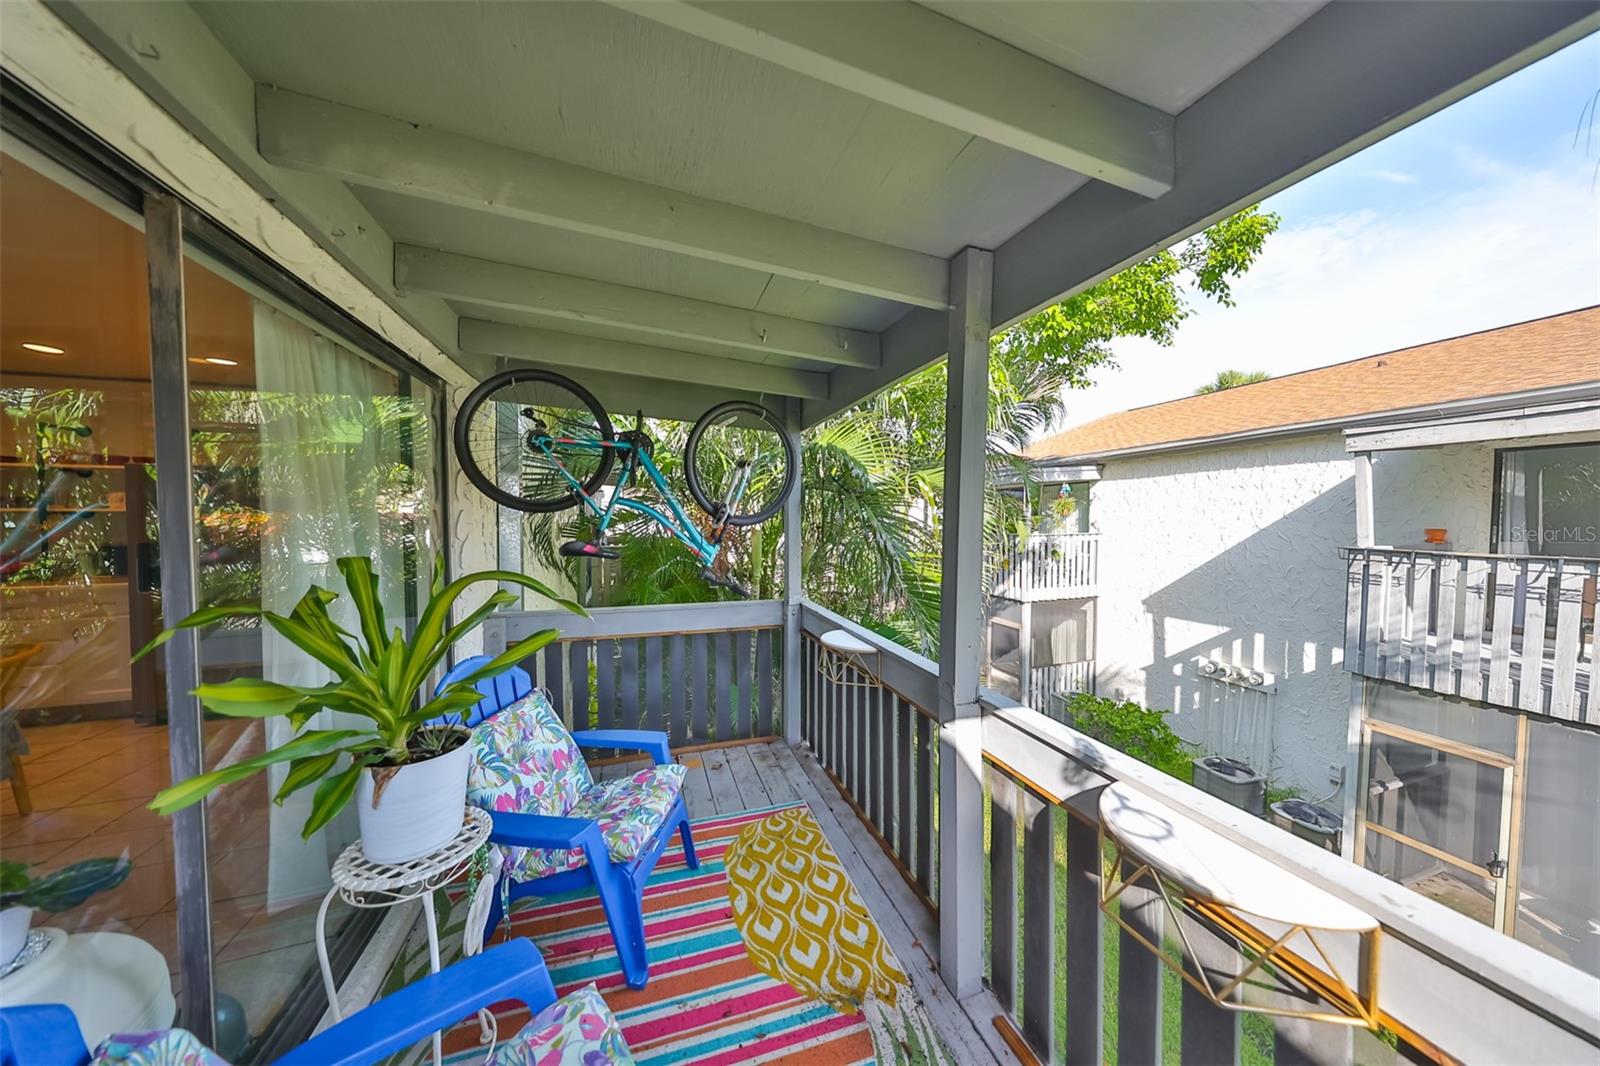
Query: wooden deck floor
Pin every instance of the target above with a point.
(750, 776)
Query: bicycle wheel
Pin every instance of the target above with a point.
(518, 431)
(740, 464)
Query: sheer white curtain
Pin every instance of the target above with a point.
(321, 455)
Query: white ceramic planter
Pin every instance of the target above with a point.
(14, 923)
(420, 808)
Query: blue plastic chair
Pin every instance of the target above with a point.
(48, 1034)
(620, 885)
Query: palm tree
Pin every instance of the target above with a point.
(1232, 379)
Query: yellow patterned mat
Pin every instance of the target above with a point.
(801, 919)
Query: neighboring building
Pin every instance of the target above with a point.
(1452, 490)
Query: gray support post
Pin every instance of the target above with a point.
(1366, 533)
(169, 388)
(960, 624)
(793, 586)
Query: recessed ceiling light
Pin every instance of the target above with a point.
(45, 349)
(217, 360)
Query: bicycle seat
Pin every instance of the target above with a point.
(584, 549)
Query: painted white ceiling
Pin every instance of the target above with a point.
(1165, 53)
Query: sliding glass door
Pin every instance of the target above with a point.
(303, 450)
(181, 425)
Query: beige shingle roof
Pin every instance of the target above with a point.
(1560, 350)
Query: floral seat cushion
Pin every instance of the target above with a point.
(526, 762)
(578, 1028)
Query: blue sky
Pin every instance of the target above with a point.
(1483, 214)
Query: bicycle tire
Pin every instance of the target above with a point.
(692, 475)
(484, 483)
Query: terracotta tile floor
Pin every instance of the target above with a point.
(90, 782)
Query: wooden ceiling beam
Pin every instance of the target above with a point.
(655, 314)
(571, 350)
(917, 60)
(363, 148)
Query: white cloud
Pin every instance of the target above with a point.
(1343, 286)
(1394, 177)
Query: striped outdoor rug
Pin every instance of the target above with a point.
(707, 1001)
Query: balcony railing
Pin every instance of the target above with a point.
(1515, 631)
(704, 673)
(1049, 566)
(878, 740)
(1447, 984)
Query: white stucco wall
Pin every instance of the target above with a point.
(1232, 553)
(1449, 488)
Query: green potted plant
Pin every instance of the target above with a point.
(409, 777)
(22, 894)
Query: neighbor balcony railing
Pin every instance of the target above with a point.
(1447, 985)
(1046, 566)
(1515, 631)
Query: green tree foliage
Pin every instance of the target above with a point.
(1231, 379)
(873, 475)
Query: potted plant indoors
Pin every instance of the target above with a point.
(409, 776)
(21, 894)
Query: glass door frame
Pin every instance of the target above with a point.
(1512, 786)
(170, 222)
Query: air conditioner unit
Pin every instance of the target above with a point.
(1232, 781)
(1309, 821)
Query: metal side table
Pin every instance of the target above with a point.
(363, 883)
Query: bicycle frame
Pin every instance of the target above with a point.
(676, 522)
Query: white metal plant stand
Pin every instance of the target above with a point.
(363, 883)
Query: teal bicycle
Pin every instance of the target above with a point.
(536, 441)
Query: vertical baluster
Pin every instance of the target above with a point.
(1569, 620)
(743, 667)
(653, 713)
(902, 775)
(1475, 593)
(578, 681)
(1209, 1033)
(1373, 607)
(677, 704)
(1003, 799)
(1139, 974)
(1510, 592)
(723, 687)
(700, 687)
(1085, 984)
(1422, 570)
(925, 789)
(1530, 676)
(554, 681)
(628, 715)
(765, 679)
(1398, 575)
(1444, 642)
(1038, 922)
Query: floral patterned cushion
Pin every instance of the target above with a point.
(577, 1029)
(160, 1047)
(525, 761)
(630, 810)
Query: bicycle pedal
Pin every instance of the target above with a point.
(584, 549)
